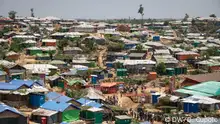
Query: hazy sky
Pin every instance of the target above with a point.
(107, 9)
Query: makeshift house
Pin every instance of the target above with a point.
(123, 119)
(161, 52)
(12, 55)
(197, 103)
(110, 87)
(155, 45)
(94, 94)
(84, 28)
(72, 50)
(66, 111)
(3, 41)
(50, 115)
(97, 40)
(18, 92)
(70, 74)
(138, 66)
(209, 89)
(90, 103)
(30, 43)
(175, 50)
(33, 51)
(196, 79)
(92, 114)
(40, 68)
(101, 74)
(112, 56)
(24, 37)
(209, 65)
(168, 60)
(14, 71)
(187, 55)
(137, 56)
(83, 62)
(48, 50)
(9, 115)
(43, 57)
(129, 44)
(49, 42)
(54, 96)
(121, 72)
(58, 63)
(75, 83)
(57, 81)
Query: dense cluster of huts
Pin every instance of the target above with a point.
(24, 85)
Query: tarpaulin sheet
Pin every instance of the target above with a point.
(70, 115)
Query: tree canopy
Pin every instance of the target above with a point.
(32, 12)
(161, 68)
(186, 17)
(12, 14)
(139, 47)
(212, 15)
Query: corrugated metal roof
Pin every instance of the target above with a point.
(4, 107)
(136, 54)
(205, 77)
(43, 112)
(201, 100)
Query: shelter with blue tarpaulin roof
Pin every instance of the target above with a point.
(28, 83)
(54, 96)
(10, 115)
(87, 102)
(67, 112)
(22, 93)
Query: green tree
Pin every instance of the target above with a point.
(161, 68)
(212, 15)
(115, 46)
(186, 17)
(35, 29)
(166, 23)
(193, 21)
(139, 47)
(141, 11)
(212, 51)
(62, 43)
(91, 45)
(16, 45)
(32, 12)
(12, 14)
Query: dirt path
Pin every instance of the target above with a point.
(101, 53)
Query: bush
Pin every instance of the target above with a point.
(161, 68)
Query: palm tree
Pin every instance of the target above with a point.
(141, 11)
(12, 14)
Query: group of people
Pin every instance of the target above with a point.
(142, 115)
(113, 100)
